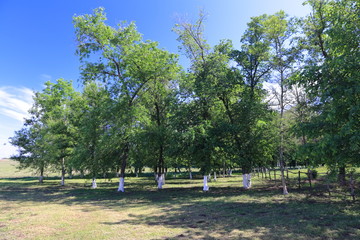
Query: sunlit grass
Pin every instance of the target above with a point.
(181, 210)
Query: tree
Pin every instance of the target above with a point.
(54, 103)
(331, 80)
(280, 33)
(251, 112)
(126, 65)
(31, 145)
(48, 136)
(90, 150)
(198, 83)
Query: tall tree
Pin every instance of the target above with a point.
(331, 78)
(280, 33)
(90, 150)
(55, 103)
(126, 64)
(199, 81)
(253, 62)
(31, 144)
(48, 136)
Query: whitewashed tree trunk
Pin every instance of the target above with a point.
(62, 181)
(163, 179)
(62, 172)
(94, 183)
(206, 187)
(121, 185)
(41, 179)
(209, 177)
(190, 175)
(245, 181)
(215, 176)
(230, 172)
(160, 181)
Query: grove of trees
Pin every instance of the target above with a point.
(139, 108)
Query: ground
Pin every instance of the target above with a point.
(181, 210)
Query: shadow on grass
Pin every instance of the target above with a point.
(249, 220)
(222, 213)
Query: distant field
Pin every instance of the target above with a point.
(29, 210)
(8, 169)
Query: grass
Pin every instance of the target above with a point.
(29, 210)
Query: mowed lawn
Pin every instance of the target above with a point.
(29, 210)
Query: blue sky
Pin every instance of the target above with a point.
(37, 40)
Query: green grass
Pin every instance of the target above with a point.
(29, 210)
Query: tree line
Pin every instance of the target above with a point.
(139, 107)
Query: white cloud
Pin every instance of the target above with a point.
(7, 150)
(271, 99)
(14, 105)
(273, 96)
(15, 102)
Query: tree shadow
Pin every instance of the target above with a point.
(222, 213)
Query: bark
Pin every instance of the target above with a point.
(224, 169)
(309, 177)
(206, 187)
(283, 182)
(62, 172)
(94, 185)
(161, 181)
(215, 176)
(136, 172)
(341, 176)
(41, 178)
(281, 157)
(123, 167)
(247, 180)
(163, 178)
(121, 185)
(352, 188)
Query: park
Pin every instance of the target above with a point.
(257, 139)
(181, 210)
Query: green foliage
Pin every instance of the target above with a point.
(332, 82)
(138, 108)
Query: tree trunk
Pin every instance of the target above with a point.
(215, 176)
(352, 188)
(206, 187)
(123, 168)
(63, 172)
(190, 173)
(160, 181)
(224, 169)
(283, 182)
(41, 178)
(341, 176)
(121, 185)
(94, 185)
(247, 180)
